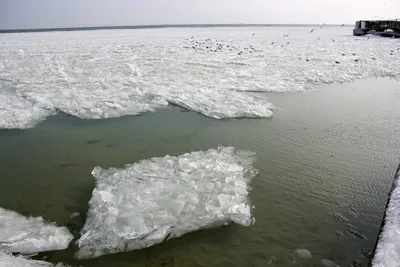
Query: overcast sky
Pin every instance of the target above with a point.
(16, 14)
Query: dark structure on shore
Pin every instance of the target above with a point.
(386, 28)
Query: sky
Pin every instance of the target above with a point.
(25, 14)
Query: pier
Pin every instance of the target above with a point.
(386, 28)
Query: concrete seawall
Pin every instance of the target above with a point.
(386, 252)
(385, 28)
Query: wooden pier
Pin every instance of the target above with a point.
(386, 28)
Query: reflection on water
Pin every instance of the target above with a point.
(326, 164)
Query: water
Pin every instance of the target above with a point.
(326, 159)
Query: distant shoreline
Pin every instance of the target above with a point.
(157, 27)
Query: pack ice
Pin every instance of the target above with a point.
(157, 199)
(104, 74)
(29, 235)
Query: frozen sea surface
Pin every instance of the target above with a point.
(213, 71)
(154, 200)
(387, 253)
(29, 235)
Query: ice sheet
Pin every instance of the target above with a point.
(29, 235)
(157, 199)
(8, 260)
(387, 253)
(103, 74)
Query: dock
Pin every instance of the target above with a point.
(385, 28)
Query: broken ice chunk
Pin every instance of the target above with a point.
(29, 235)
(157, 199)
(8, 260)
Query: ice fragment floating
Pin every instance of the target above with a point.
(157, 199)
(303, 254)
(29, 235)
(8, 260)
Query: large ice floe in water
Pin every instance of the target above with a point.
(104, 74)
(387, 252)
(29, 235)
(8, 260)
(157, 199)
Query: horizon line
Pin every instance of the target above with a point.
(145, 26)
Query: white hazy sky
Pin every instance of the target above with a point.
(16, 14)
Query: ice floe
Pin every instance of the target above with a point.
(8, 260)
(29, 235)
(158, 199)
(387, 252)
(303, 254)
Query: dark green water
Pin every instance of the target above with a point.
(326, 161)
